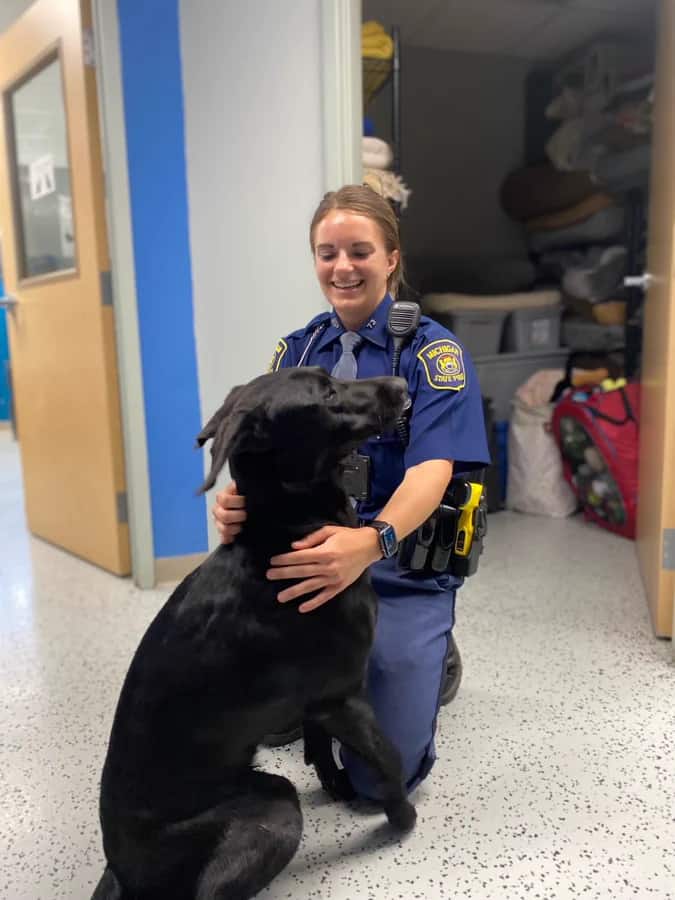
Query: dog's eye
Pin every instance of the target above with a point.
(330, 392)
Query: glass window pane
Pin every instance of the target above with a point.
(42, 174)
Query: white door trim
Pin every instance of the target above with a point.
(341, 92)
(118, 210)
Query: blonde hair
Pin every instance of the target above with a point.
(364, 201)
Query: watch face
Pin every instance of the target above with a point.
(389, 542)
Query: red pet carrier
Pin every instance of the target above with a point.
(597, 432)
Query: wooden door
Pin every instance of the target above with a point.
(56, 267)
(656, 507)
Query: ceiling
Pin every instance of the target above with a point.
(529, 29)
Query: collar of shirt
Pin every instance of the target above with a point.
(374, 330)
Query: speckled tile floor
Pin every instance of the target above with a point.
(556, 776)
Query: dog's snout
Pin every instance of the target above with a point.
(375, 404)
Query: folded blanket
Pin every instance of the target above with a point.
(626, 170)
(581, 141)
(571, 147)
(436, 303)
(579, 212)
(540, 189)
(567, 104)
(376, 153)
(580, 334)
(608, 312)
(370, 28)
(375, 42)
(599, 228)
(599, 276)
(387, 184)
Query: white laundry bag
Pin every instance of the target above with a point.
(535, 477)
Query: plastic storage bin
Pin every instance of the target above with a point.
(581, 334)
(533, 328)
(479, 330)
(479, 321)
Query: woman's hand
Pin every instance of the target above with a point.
(328, 560)
(229, 513)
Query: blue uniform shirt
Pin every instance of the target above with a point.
(447, 412)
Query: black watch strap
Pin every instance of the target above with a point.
(387, 537)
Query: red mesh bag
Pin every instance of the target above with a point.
(598, 435)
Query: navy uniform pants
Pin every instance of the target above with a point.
(406, 669)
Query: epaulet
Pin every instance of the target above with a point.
(315, 322)
(307, 329)
(300, 334)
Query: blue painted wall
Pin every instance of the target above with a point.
(151, 74)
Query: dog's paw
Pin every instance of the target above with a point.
(402, 815)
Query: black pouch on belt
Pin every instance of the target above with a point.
(446, 531)
(413, 552)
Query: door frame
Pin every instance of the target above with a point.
(118, 212)
(341, 92)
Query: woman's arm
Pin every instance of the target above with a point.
(417, 496)
(332, 558)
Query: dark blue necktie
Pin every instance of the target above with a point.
(346, 366)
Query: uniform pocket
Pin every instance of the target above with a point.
(389, 580)
(448, 582)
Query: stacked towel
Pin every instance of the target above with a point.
(376, 154)
(375, 42)
(376, 158)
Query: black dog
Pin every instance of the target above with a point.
(183, 811)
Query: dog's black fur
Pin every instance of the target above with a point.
(184, 813)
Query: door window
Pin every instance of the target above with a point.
(40, 168)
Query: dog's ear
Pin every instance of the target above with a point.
(222, 426)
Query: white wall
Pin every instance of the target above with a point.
(10, 10)
(253, 134)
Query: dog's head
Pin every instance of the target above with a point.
(300, 422)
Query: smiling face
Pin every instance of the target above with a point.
(352, 264)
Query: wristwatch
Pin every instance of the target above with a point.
(387, 536)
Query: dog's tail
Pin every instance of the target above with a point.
(109, 887)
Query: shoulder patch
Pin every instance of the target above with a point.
(279, 353)
(444, 365)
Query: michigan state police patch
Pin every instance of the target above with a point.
(444, 365)
(279, 353)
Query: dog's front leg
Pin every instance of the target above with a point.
(352, 721)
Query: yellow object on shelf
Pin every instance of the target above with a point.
(377, 51)
(588, 377)
(613, 384)
(610, 312)
(375, 42)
